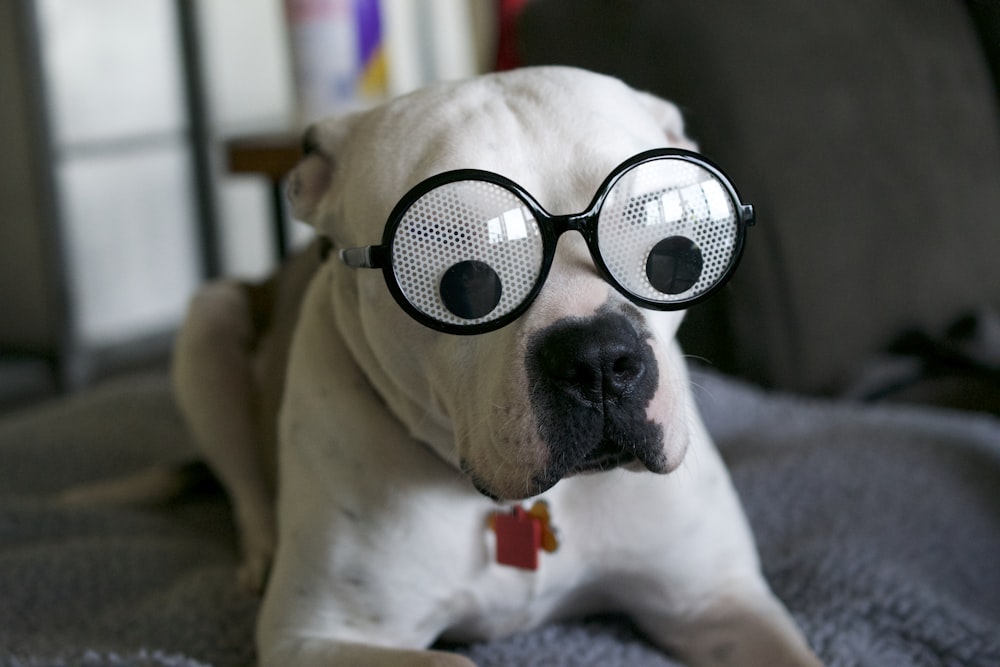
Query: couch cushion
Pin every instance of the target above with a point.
(866, 134)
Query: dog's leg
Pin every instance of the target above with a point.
(366, 572)
(701, 594)
(747, 627)
(707, 600)
(213, 373)
(308, 653)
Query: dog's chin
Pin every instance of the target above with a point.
(500, 493)
(603, 458)
(507, 492)
(608, 456)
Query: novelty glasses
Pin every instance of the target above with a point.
(467, 251)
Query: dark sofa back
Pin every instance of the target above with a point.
(866, 134)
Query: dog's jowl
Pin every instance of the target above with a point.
(471, 417)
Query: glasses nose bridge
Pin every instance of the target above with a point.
(584, 223)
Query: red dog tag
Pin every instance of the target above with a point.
(521, 534)
(519, 537)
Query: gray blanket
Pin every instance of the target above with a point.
(879, 527)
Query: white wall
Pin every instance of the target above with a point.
(249, 71)
(122, 161)
(112, 77)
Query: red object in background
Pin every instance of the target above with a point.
(519, 538)
(507, 55)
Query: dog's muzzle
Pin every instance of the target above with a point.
(591, 381)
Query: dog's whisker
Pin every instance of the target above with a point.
(697, 357)
(702, 389)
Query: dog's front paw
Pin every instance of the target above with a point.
(746, 627)
(442, 659)
(316, 653)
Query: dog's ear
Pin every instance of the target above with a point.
(311, 179)
(670, 120)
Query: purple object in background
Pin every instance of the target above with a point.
(369, 22)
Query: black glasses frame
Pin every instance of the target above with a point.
(551, 227)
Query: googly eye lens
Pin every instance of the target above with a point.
(471, 289)
(674, 265)
(668, 230)
(466, 252)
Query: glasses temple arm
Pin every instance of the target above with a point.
(366, 257)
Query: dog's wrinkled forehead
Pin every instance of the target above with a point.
(555, 131)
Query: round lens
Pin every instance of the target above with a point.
(668, 230)
(466, 252)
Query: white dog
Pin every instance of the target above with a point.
(494, 361)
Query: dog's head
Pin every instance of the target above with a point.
(583, 380)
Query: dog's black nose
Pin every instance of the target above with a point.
(591, 381)
(598, 360)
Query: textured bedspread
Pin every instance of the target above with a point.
(879, 527)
